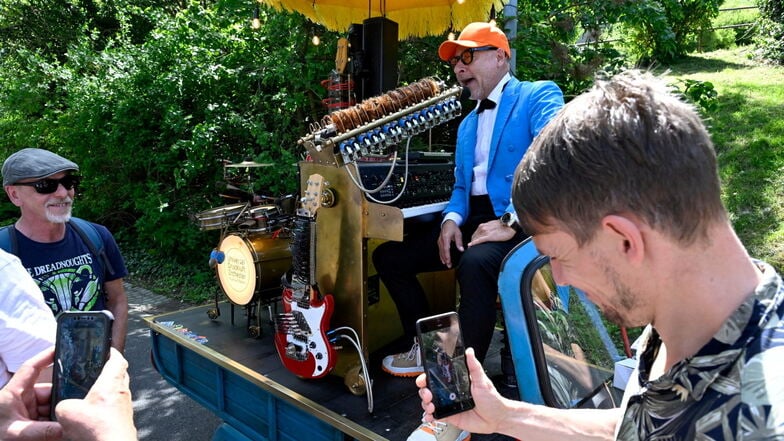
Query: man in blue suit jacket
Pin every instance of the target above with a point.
(479, 226)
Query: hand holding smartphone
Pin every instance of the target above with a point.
(443, 357)
(81, 350)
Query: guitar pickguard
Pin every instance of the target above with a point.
(300, 336)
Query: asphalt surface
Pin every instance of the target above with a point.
(161, 411)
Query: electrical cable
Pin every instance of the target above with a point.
(402, 190)
(358, 179)
(363, 363)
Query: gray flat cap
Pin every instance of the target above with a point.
(31, 163)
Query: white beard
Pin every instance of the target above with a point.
(59, 218)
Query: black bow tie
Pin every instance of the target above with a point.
(485, 104)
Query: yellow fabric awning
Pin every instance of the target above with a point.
(415, 18)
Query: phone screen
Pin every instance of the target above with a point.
(443, 356)
(81, 350)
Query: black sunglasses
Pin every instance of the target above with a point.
(49, 186)
(467, 57)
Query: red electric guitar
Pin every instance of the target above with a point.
(300, 331)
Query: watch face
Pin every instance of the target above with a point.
(507, 220)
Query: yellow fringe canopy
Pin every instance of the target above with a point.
(415, 18)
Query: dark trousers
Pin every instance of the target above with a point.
(477, 268)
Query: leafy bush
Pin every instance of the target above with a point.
(187, 283)
(743, 19)
(728, 29)
(664, 30)
(770, 41)
(545, 43)
(150, 124)
(700, 93)
(711, 40)
(772, 9)
(770, 37)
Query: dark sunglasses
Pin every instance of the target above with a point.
(467, 57)
(49, 186)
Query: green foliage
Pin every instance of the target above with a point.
(770, 37)
(770, 40)
(28, 24)
(711, 40)
(149, 96)
(645, 33)
(50, 27)
(418, 58)
(546, 33)
(772, 9)
(192, 283)
(748, 134)
(701, 93)
(664, 30)
(688, 18)
(732, 27)
(741, 21)
(150, 123)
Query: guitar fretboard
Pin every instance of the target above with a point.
(300, 252)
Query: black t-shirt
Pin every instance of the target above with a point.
(69, 275)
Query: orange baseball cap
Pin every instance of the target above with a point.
(476, 34)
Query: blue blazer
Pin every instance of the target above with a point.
(525, 108)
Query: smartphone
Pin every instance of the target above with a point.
(81, 349)
(443, 357)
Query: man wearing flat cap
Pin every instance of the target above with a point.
(478, 227)
(76, 263)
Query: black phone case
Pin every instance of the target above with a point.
(78, 360)
(454, 382)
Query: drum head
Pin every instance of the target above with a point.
(263, 211)
(219, 217)
(237, 273)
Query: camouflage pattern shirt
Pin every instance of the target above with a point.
(732, 389)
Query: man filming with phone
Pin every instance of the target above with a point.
(621, 191)
(76, 263)
(105, 414)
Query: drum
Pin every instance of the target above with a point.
(217, 218)
(252, 266)
(262, 218)
(287, 204)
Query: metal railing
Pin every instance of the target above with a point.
(733, 26)
(737, 25)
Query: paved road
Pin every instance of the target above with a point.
(161, 412)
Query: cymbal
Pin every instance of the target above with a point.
(248, 164)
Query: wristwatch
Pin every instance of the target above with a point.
(510, 220)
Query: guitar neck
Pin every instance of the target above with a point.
(304, 273)
(312, 260)
(300, 252)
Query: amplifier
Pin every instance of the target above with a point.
(430, 180)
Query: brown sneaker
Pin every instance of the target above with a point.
(406, 364)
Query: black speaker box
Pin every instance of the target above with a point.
(379, 47)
